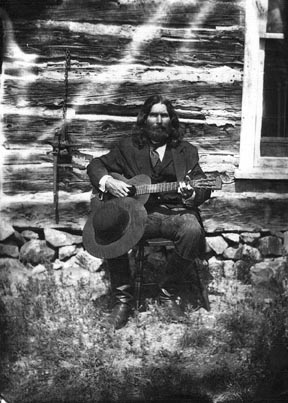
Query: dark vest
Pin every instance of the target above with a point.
(164, 171)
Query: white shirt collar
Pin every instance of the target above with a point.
(161, 151)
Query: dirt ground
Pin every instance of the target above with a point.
(53, 348)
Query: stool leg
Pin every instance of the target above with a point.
(139, 275)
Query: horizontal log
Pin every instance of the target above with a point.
(191, 33)
(175, 13)
(133, 110)
(28, 178)
(44, 155)
(221, 161)
(157, 47)
(233, 212)
(125, 70)
(30, 132)
(28, 186)
(125, 98)
(35, 156)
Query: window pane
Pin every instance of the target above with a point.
(277, 10)
(274, 134)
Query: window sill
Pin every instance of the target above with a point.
(260, 173)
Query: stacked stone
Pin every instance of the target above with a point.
(32, 253)
(258, 258)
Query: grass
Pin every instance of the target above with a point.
(53, 349)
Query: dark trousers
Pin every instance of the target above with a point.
(182, 227)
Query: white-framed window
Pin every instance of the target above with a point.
(264, 127)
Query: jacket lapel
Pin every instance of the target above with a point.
(142, 160)
(179, 161)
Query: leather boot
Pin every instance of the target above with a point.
(178, 271)
(167, 299)
(120, 279)
(122, 308)
(169, 286)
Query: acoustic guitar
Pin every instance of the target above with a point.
(141, 186)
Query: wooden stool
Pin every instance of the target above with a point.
(140, 263)
(140, 268)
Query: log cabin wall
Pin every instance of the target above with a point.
(121, 52)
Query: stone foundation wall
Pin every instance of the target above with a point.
(258, 258)
(33, 253)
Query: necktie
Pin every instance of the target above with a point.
(154, 157)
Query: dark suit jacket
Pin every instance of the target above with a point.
(129, 160)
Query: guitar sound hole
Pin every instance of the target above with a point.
(132, 191)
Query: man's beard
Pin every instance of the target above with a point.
(158, 135)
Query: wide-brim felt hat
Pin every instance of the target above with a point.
(114, 227)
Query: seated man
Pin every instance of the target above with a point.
(156, 149)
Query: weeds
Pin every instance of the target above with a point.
(53, 349)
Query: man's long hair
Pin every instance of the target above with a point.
(139, 134)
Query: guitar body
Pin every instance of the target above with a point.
(137, 180)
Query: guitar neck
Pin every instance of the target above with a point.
(213, 183)
(157, 188)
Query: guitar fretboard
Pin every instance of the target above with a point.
(157, 188)
(203, 183)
